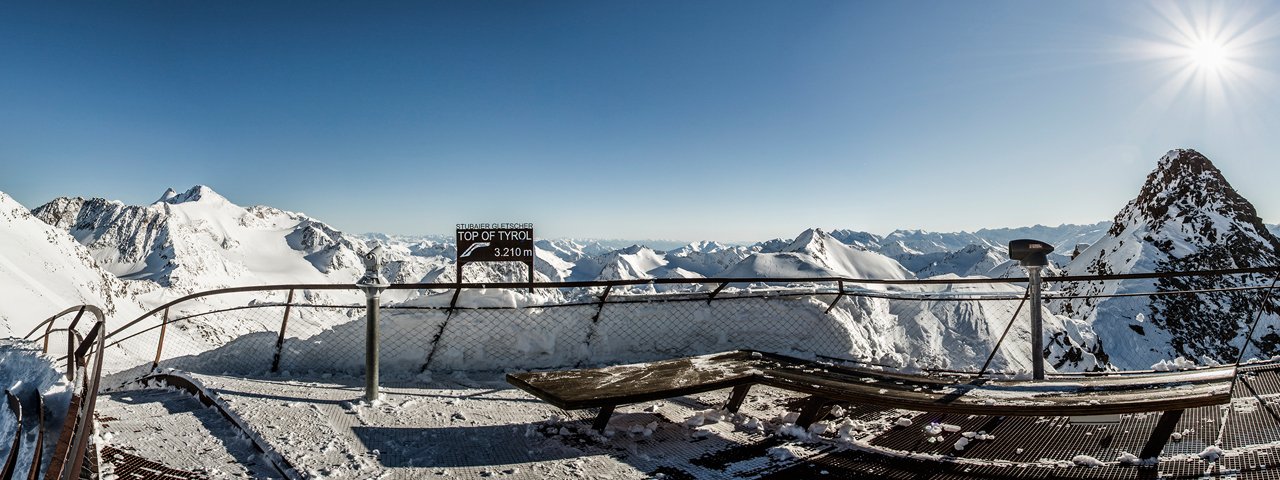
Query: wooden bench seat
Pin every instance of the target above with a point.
(1061, 395)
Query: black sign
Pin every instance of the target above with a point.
(495, 242)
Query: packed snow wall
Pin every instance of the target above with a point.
(27, 372)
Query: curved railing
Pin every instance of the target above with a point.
(15, 410)
(450, 326)
(84, 359)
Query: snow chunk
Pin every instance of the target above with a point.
(1087, 461)
(1211, 453)
(780, 453)
(1174, 365)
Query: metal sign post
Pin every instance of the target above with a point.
(495, 242)
(372, 283)
(1033, 255)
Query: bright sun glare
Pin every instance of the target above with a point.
(1207, 51)
(1208, 55)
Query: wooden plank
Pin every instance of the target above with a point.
(626, 384)
(1072, 396)
(1066, 395)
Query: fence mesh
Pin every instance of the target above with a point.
(928, 327)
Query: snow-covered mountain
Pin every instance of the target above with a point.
(974, 260)
(816, 253)
(920, 241)
(1063, 237)
(695, 260)
(960, 334)
(708, 259)
(932, 253)
(856, 239)
(1186, 217)
(199, 240)
(43, 271)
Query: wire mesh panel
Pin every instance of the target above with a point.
(782, 325)
(323, 338)
(935, 324)
(531, 337)
(649, 330)
(203, 343)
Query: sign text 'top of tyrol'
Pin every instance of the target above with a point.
(495, 242)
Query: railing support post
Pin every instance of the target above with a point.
(164, 325)
(284, 324)
(1037, 324)
(372, 284)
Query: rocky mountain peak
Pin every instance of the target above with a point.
(811, 241)
(1186, 218)
(198, 193)
(168, 194)
(1188, 188)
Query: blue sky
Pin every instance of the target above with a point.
(724, 120)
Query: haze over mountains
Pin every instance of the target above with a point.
(1187, 217)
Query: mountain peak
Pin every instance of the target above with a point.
(1184, 184)
(812, 241)
(168, 194)
(1187, 217)
(198, 193)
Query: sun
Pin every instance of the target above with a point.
(1208, 55)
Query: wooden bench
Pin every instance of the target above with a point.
(825, 383)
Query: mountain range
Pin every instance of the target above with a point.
(1186, 217)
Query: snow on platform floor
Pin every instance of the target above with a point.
(476, 425)
(174, 428)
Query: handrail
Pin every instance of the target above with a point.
(11, 464)
(84, 429)
(839, 290)
(68, 458)
(721, 281)
(38, 459)
(97, 312)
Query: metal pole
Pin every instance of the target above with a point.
(371, 345)
(373, 284)
(1037, 324)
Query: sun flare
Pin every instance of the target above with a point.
(1208, 55)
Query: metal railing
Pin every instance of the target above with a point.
(547, 325)
(84, 342)
(451, 326)
(15, 409)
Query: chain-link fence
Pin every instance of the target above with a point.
(937, 324)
